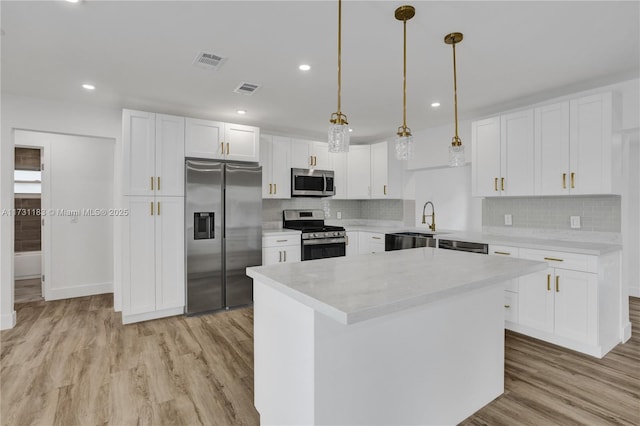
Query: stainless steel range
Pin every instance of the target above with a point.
(319, 241)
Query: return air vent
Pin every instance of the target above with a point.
(208, 61)
(247, 88)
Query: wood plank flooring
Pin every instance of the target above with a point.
(72, 362)
(27, 290)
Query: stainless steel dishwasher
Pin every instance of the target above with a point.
(464, 246)
(408, 240)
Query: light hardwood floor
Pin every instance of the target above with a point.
(72, 362)
(27, 290)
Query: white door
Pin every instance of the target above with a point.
(576, 305)
(379, 170)
(204, 139)
(169, 252)
(552, 149)
(266, 142)
(140, 286)
(517, 153)
(359, 172)
(241, 142)
(485, 141)
(169, 155)
(139, 144)
(281, 167)
(535, 300)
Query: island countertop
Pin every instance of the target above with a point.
(358, 288)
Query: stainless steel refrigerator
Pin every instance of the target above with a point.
(223, 213)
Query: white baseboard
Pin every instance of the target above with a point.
(78, 291)
(146, 316)
(634, 291)
(8, 321)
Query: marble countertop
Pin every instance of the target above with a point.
(281, 231)
(357, 288)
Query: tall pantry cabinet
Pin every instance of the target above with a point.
(153, 237)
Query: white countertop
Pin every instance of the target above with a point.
(281, 231)
(357, 288)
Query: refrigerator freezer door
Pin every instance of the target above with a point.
(243, 234)
(203, 215)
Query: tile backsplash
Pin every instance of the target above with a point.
(349, 209)
(601, 213)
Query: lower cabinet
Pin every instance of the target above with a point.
(351, 247)
(511, 311)
(281, 249)
(153, 266)
(370, 242)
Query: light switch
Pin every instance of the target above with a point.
(508, 220)
(575, 222)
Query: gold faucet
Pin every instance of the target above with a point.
(432, 226)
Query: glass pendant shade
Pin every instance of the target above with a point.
(456, 149)
(404, 147)
(456, 155)
(339, 138)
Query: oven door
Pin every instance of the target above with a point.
(323, 248)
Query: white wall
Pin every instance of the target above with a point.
(19, 112)
(631, 213)
(77, 177)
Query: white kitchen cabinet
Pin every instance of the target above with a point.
(275, 158)
(358, 172)
(154, 283)
(552, 149)
(221, 141)
(338, 163)
(485, 165)
(153, 154)
(309, 154)
(281, 249)
(351, 247)
(512, 287)
(516, 152)
(370, 242)
(379, 171)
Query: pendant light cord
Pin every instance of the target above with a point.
(404, 79)
(339, 53)
(455, 90)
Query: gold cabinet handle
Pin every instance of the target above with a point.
(564, 181)
(311, 160)
(555, 259)
(346, 240)
(384, 189)
(548, 282)
(158, 208)
(270, 188)
(502, 184)
(227, 148)
(285, 255)
(152, 208)
(151, 182)
(158, 183)
(557, 283)
(502, 252)
(275, 188)
(281, 241)
(222, 148)
(280, 253)
(495, 184)
(376, 238)
(573, 180)
(507, 306)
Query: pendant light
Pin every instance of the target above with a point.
(339, 129)
(404, 140)
(456, 150)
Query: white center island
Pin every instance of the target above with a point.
(412, 337)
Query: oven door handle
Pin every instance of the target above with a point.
(320, 241)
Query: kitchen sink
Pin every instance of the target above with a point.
(415, 234)
(407, 240)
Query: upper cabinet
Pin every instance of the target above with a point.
(275, 158)
(153, 157)
(503, 155)
(221, 141)
(379, 171)
(338, 163)
(558, 149)
(309, 155)
(358, 172)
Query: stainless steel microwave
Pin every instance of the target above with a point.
(312, 183)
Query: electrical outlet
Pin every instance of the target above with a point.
(339, 215)
(508, 220)
(575, 222)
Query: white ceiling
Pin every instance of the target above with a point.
(139, 55)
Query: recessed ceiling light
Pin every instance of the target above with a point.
(304, 67)
(241, 112)
(87, 86)
(435, 104)
(350, 129)
(73, 1)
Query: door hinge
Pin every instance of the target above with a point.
(42, 166)
(42, 277)
(42, 222)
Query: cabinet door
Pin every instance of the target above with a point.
(338, 163)
(169, 252)
(282, 254)
(241, 142)
(552, 149)
(281, 167)
(576, 306)
(169, 155)
(535, 300)
(292, 254)
(320, 153)
(370, 242)
(266, 155)
(591, 145)
(507, 251)
(485, 166)
(358, 172)
(517, 157)
(139, 288)
(300, 154)
(139, 145)
(379, 170)
(204, 139)
(351, 247)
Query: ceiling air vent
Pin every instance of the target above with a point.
(208, 61)
(247, 88)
